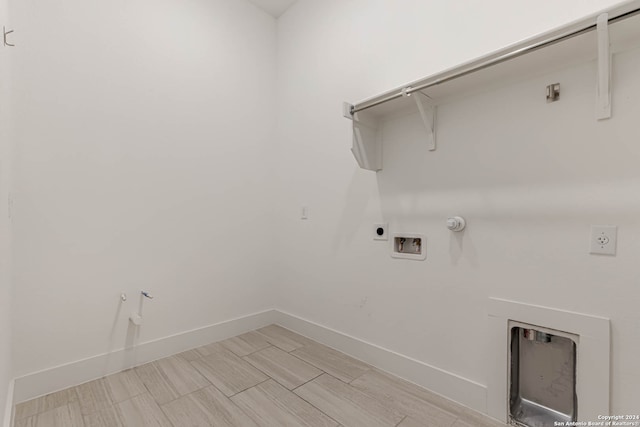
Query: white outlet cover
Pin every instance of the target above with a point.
(384, 236)
(604, 239)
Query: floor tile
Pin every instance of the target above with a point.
(271, 405)
(284, 338)
(332, 361)
(181, 375)
(63, 416)
(45, 403)
(206, 407)
(288, 370)
(105, 418)
(142, 411)
(189, 355)
(458, 423)
(375, 380)
(405, 397)
(186, 412)
(168, 379)
(348, 405)
(228, 372)
(124, 385)
(209, 349)
(472, 418)
(93, 396)
(156, 383)
(412, 422)
(245, 344)
(278, 381)
(27, 422)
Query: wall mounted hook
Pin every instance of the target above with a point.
(5, 34)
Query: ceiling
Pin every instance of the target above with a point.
(273, 7)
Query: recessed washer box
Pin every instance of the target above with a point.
(409, 246)
(542, 376)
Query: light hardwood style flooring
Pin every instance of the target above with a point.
(271, 377)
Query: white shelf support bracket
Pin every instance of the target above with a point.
(366, 140)
(603, 101)
(429, 112)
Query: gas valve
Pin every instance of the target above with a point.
(456, 223)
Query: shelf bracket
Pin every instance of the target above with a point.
(6, 33)
(603, 101)
(428, 112)
(366, 142)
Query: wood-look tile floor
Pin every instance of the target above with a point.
(271, 377)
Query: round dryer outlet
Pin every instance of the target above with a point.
(380, 231)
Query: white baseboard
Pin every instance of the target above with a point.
(447, 384)
(60, 377)
(8, 410)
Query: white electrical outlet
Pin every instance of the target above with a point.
(603, 239)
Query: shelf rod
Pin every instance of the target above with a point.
(482, 63)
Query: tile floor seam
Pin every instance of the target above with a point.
(268, 339)
(249, 388)
(266, 374)
(425, 401)
(119, 415)
(165, 413)
(360, 376)
(257, 351)
(307, 361)
(179, 397)
(321, 371)
(381, 403)
(165, 377)
(307, 382)
(314, 406)
(144, 383)
(369, 367)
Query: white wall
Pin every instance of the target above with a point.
(5, 235)
(529, 188)
(143, 128)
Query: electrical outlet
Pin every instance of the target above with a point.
(380, 231)
(603, 239)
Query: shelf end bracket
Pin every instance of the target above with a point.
(347, 110)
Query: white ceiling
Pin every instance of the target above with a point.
(274, 7)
